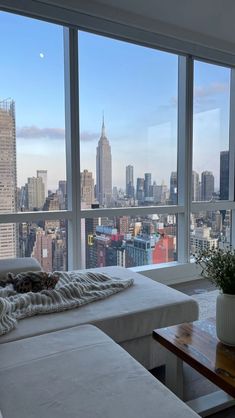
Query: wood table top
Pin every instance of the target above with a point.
(196, 343)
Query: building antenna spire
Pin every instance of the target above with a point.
(103, 127)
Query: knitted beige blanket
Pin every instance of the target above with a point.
(72, 290)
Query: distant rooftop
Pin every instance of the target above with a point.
(7, 104)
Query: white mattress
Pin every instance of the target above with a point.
(131, 314)
(80, 373)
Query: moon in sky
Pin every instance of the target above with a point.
(41, 55)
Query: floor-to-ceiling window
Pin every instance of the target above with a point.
(32, 141)
(210, 224)
(111, 152)
(128, 151)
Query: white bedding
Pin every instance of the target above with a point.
(73, 290)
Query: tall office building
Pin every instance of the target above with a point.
(147, 184)
(173, 187)
(207, 185)
(52, 203)
(90, 229)
(139, 251)
(8, 183)
(63, 187)
(103, 170)
(195, 187)
(140, 189)
(43, 175)
(62, 194)
(87, 188)
(224, 175)
(35, 192)
(122, 223)
(42, 249)
(130, 190)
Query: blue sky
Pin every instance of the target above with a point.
(136, 87)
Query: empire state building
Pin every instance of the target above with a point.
(103, 170)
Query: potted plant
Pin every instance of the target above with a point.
(218, 266)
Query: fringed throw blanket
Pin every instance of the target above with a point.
(72, 290)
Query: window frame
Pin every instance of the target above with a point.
(187, 53)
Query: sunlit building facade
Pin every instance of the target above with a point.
(103, 170)
(8, 182)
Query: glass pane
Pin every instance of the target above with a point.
(32, 126)
(128, 122)
(210, 229)
(210, 132)
(44, 240)
(128, 241)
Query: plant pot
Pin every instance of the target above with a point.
(225, 318)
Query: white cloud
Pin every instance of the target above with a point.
(34, 132)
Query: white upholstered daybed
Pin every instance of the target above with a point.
(62, 366)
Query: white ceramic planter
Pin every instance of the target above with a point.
(225, 318)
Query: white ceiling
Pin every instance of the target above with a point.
(204, 22)
(215, 18)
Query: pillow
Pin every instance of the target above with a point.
(18, 265)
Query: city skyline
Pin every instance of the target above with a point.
(125, 240)
(165, 180)
(104, 143)
(138, 190)
(139, 187)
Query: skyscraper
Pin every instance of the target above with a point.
(87, 188)
(62, 193)
(8, 232)
(42, 249)
(207, 185)
(195, 186)
(103, 170)
(173, 187)
(43, 175)
(140, 189)
(130, 191)
(224, 174)
(63, 187)
(51, 203)
(90, 229)
(35, 193)
(123, 224)
(147, 184)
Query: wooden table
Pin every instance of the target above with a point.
(196, 343)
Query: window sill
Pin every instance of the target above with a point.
(170, 273)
